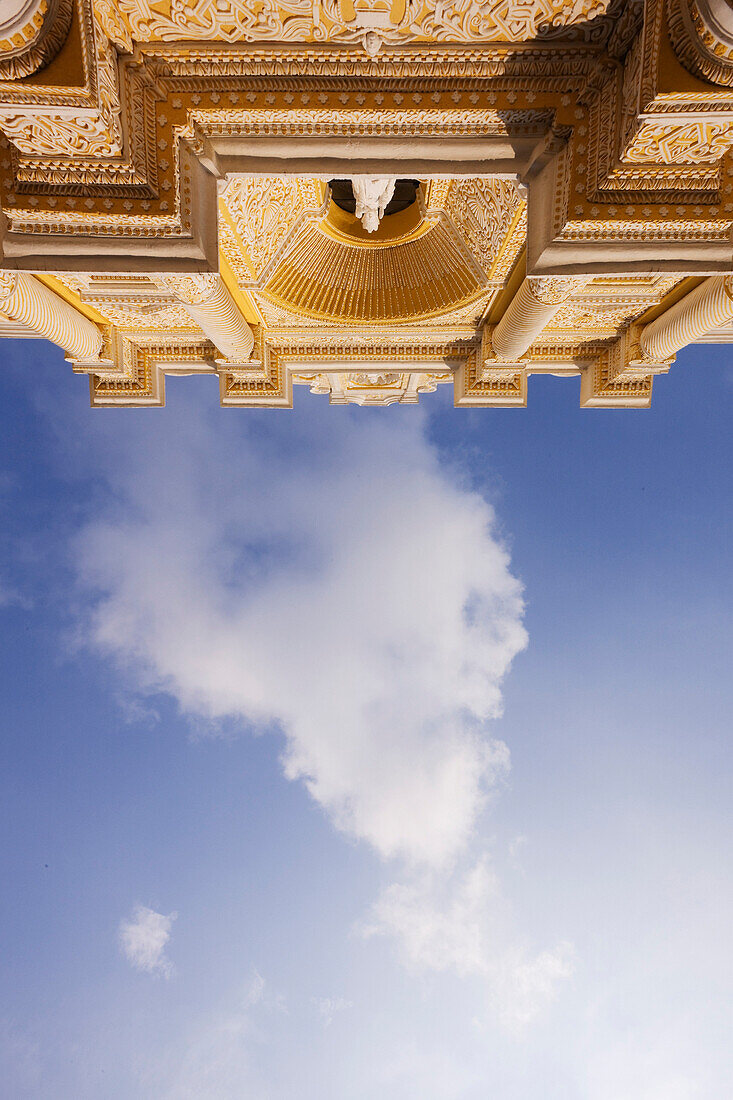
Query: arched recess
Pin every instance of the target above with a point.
(31, 34)
(701, 32)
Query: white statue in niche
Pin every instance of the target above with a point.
(372, 194)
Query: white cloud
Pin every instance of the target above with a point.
(260, 994)
(143, 939)
(463, 924)
(440, 924)
(523, 984)
(255, 990)
(344, 586)
(341, 583)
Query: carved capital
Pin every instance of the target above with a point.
(210, 304)
(627, 359)
(553, 290)
(194, 289)
(7, 287)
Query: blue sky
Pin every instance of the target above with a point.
(365, 753)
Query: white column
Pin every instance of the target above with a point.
(532, 307)
(23, 298)
(707, 306)
(209, 303)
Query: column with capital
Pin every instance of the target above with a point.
(703, 309)
(624, 373)
(532, 307)
(209, 303)
(25, 299)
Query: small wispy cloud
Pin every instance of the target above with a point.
(328, 1007)
(218, 1057)
(255, 991)
(143, 939)
(260, 994)
(464, 925)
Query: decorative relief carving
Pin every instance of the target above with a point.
(7, 287)
(596, 312)
(549, 100)
(700, 142)
(700, 41)
(108, 92)
(113, 24)
(373, 388)
(31, 35)
(485, 211)
(336, 20)
(363, 122)
(552, 290)
(145, 314)
(194, 289)
(537, 62)
(53, 136)
(437, 193)
(626, 29)
(264, 210)
(93, 127)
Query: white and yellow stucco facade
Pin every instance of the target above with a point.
(166, 208)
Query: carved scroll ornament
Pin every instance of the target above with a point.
(368, 21)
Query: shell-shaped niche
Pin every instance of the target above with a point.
(411, 268)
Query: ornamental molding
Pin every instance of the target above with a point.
(31, 34)
(370, 22)
(39, 119)
(172, 180)
(701, 32)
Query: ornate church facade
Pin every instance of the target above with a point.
(370, 198)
